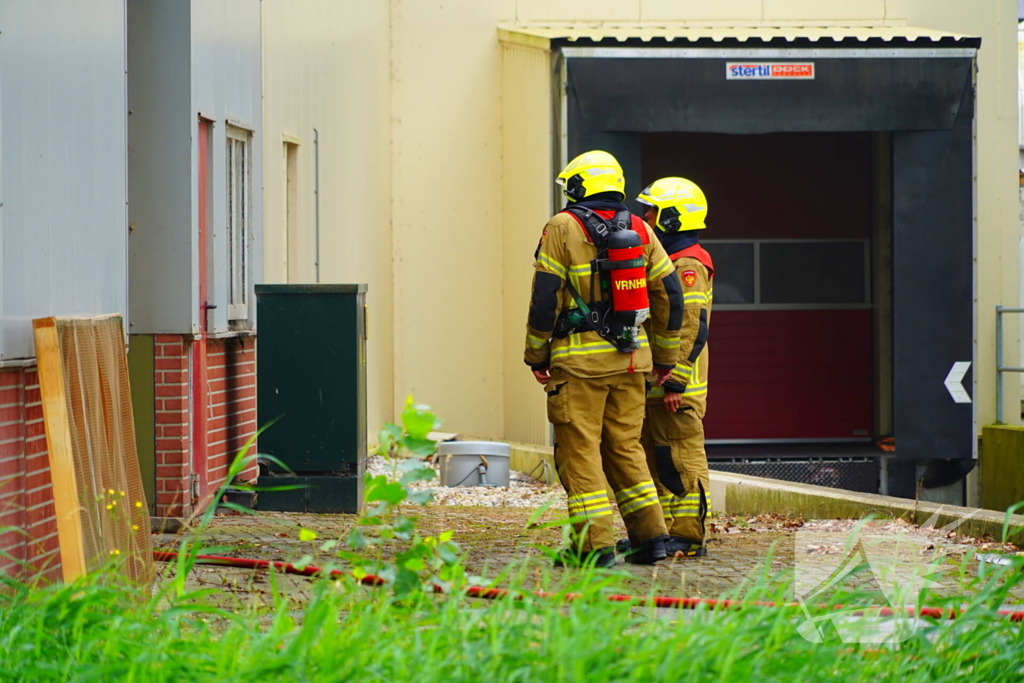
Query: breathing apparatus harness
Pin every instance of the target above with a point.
(621, 269)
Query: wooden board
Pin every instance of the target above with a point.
(58, 445)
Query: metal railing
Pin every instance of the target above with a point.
(1000, 369)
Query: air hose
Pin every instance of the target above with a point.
(638, 601)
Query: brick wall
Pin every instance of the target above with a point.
(232, 403)
(230, 416)
(28, 523)
(172, 398)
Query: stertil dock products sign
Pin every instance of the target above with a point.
(763, 71)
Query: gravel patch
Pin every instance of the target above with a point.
(522, 491)
(927, 537)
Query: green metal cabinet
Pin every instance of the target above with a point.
(311, 385)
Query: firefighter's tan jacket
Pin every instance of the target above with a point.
(565, 252)
(690, 376)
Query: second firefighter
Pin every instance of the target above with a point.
(673, 433)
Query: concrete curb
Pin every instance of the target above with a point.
(537, 461)
(745, 495)
(168, 525)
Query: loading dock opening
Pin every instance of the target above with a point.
(790, 229)
(893, 305)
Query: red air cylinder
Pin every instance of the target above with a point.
(628, 284)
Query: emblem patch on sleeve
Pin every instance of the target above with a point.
(689, 277)
(540, 243)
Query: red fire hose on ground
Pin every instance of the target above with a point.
(498, 593)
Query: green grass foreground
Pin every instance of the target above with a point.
(97, 630)
(101, 630)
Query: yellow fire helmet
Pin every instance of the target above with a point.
(591, 173)
(680, 203)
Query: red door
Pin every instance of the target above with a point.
(200, 393)
(790, 220)
(789, 375)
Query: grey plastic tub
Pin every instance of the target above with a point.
(473, 463)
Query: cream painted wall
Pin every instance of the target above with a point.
(327, 66)
(446, 210)
(526, 131)
(742, 11)
(412, 91)
(995, 21)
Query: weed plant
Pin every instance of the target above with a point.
(104, 630)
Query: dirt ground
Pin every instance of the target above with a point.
(499, 542)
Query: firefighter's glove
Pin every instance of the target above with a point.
(542, 376)
(672, 401)
(662, 373)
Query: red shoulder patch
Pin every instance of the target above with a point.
(540, 243)
(689, 278)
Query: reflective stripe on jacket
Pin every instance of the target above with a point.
(690, 376)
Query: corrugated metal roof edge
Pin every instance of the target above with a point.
(776, 42)
(605, 33)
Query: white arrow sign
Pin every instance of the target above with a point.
(954, 382)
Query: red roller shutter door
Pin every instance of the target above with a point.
(796, 374)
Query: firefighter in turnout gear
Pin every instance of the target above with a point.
(673, 433)
(599, 273)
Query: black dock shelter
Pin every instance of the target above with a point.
(882, 127)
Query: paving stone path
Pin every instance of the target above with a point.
(500, 542)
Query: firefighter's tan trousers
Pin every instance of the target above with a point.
(597, 429)
(674, 443)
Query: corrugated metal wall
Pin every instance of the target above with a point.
(63, 162)
(527, 182)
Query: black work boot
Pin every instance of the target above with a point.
(649, 553)
(684, 547)
(622, 546)
(601, 558)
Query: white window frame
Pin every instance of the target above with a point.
(238, 162)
